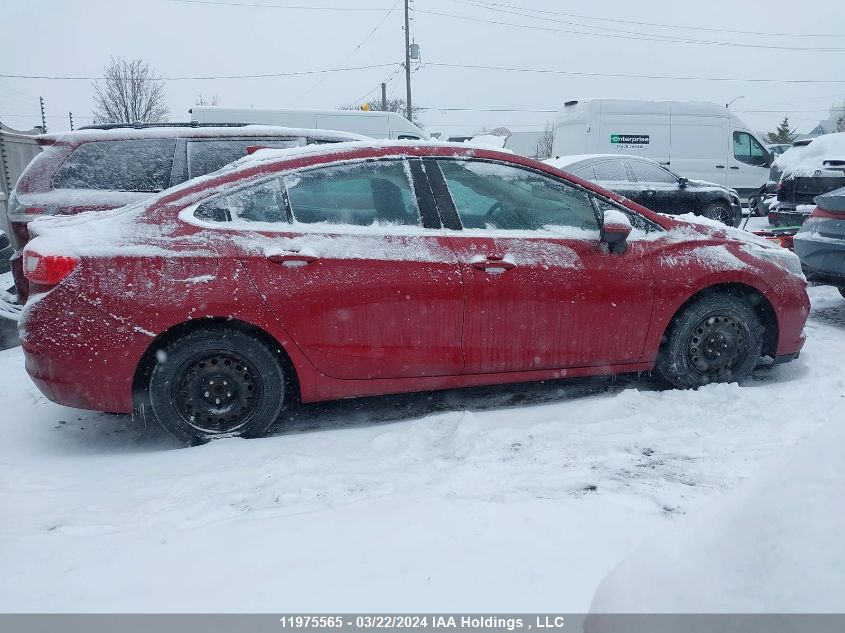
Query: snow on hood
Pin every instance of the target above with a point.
(488, 140)
(808, 159)
(562, 162)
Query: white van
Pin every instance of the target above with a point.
(372, 124)
(697, 140)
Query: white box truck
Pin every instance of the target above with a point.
(373, 124)
(697, 140)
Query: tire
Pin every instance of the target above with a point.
(720, 211)
(716, 338)
(216, 382)
(841, 290)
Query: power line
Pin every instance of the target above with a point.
(655, 24)
(651, 38)
(354, 50)
(258, 76)
(632, 76)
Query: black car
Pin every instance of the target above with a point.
(820, 244)
(810, 171)
(655, 187)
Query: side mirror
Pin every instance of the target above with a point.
(615, 231)
(683, 182)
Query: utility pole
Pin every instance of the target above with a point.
(5, 162)
(383, 97)
(408, 108)
(43, 118)
(70, 118)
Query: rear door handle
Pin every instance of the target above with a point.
(493, 264)
(292, 260)
(720, 166)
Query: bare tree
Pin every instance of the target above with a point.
(545, 145)
(202, 101)
(130, 91)
(393, 105)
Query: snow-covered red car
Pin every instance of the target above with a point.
(356, 269)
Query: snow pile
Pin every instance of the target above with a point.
(807, 160)
(488, 140)
(773, 546)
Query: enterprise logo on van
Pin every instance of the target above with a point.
(632, 139)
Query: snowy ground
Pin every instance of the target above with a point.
(499, 499)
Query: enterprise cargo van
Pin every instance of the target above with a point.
(375, 124)
(697, 140)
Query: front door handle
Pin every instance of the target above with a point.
(734, 167)
(493, 264)
(292, 259)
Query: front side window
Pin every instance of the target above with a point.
(205, 157)
(138, 165)
(494, 196)
(748, 150)
(646, 172)
(261, 202)
(361, 194)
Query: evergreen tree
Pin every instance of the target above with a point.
(782, 134)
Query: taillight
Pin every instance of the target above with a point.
(818, 212)
(47, 270)
(780, 185)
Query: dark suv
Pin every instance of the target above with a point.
(815, 170)
(104, 167)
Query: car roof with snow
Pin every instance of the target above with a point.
(567, 162)
(87, 135)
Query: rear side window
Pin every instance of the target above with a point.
(261, 202)
(362, 194)
(611, 171)
(205, 157)
(646, 172)
(141, 165)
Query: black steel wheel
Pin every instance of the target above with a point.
(716, 338)
(720, 211)
(216, 382)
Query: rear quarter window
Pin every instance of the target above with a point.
(141, 165)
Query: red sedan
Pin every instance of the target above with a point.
(368, 268)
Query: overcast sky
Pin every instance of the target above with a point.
(190, 39)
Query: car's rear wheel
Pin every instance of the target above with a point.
(719, 211)
(716, 338)
(216, 382)
(841, 290)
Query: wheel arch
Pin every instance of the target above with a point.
(752, 295)
(143, 370)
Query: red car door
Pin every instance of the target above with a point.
(542, 291)
(357, 269)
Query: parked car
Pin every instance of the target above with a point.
(104, 167)
(653, 186)
(820, 243)
(359, 269)
(374, 124)
(5, 252)
(697, 140)
(807, 172)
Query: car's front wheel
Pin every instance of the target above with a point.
(720, 211)
(841, 290)
(216, 382)
(716, 338)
